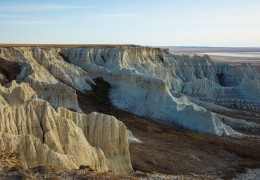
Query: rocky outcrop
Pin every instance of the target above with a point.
(32, 127)
(107, 133)
(156, 84)
(39, 133)
(49, 75)
(146, 81)
(41, 120)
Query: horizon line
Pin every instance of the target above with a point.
(119, 44)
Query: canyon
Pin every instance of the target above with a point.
(49, 117)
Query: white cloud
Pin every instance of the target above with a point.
(27, 22)
(23, 7)
(118, 15)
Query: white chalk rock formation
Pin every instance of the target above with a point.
(146, 81)
(132, 139)
(107, 133)
(49, 75)
(57, 136)
(42, 136)
(154, 83)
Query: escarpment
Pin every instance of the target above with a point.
(107, 133)
(45, 137)
(40, 116)
(146, 81)
(52, 78)
(156, 84)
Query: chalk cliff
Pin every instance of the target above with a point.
(41, 119)
(43, 136)
(154, 83)
(146, 81)
(107, 133)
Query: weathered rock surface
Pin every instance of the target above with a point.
(154, 83)
(146, 81)
(32, 127)
(39, 132)
(107, 133)
(47, 73)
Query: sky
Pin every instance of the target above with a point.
(226, 23)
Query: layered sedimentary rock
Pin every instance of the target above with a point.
(107, 133)
(42, 136)
(34, 129)
(49, 75)
(146, 81)
(41, 120)
(157, 84)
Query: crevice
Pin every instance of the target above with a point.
(64, 57)
(8, 70)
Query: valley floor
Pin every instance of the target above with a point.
(168, 149)
(167, 152)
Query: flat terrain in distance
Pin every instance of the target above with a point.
(230, 55)
(65, 45)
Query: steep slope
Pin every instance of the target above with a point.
(40, 117)
(153, 83)
(42, 136)
(146, 81)
(46, 73)
(107, 133)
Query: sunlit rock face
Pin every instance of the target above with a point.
(146, 81)
(40, 116)
(36, 120)
(156, 84)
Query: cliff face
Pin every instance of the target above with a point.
(106, 132)
(31, 126)
(197, 77)
(36, 107)
(156, 84)
(47, 73)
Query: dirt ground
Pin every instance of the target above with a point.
(168, 149)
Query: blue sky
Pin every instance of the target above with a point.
(143, 22)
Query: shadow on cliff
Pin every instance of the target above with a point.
(8, 71)
(170, 149)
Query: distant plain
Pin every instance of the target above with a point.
(230, 55)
